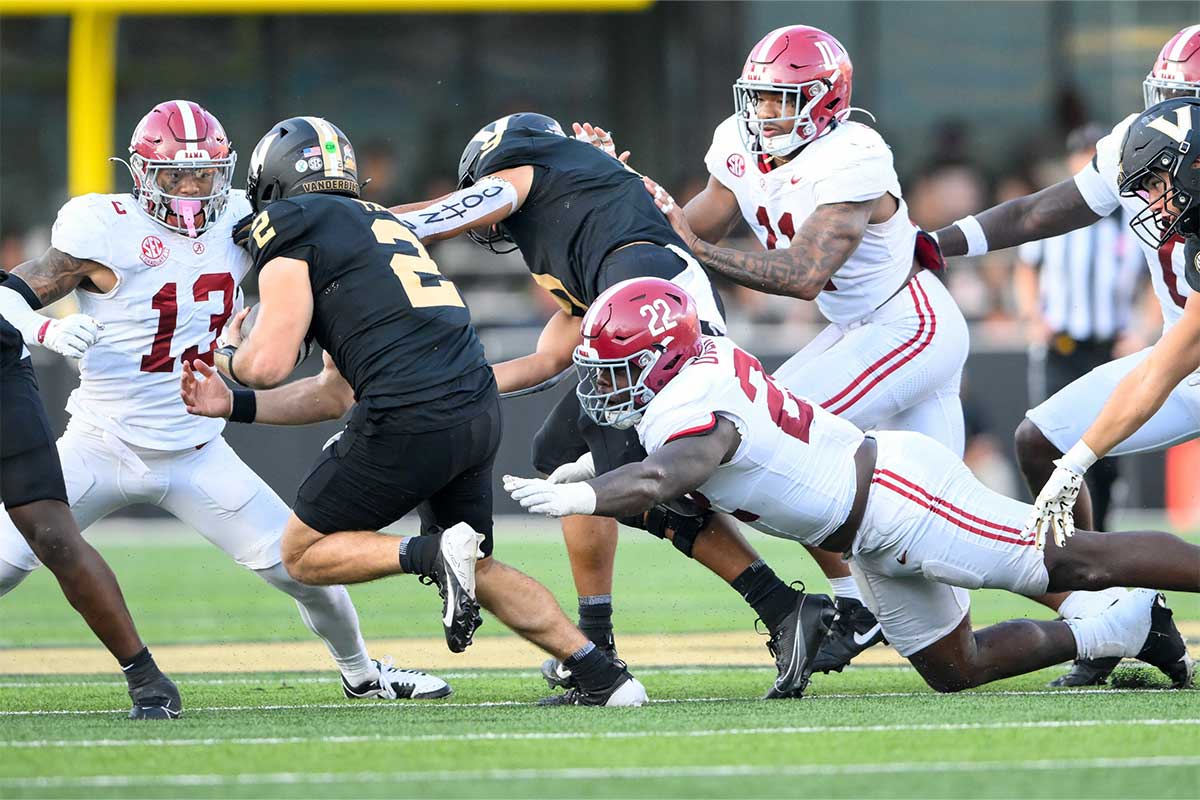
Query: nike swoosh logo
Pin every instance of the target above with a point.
(796, 179)
(903, 557)
(863, 638)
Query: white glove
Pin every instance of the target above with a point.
(538, 496)
(70, 336)
(1055, 504)
(584, 469)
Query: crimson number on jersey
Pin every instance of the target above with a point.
(788, 228)
(751, 374)
(166, 303)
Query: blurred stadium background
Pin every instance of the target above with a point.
(975, 98)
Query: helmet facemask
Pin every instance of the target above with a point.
(800, 126)
(1149, 224)
(192, 214)
(1156, 89)
(622, 406)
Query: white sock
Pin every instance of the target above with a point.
(1089, 604)
(1120, 630)
(10, 576)
(328, 612)
(845, 587)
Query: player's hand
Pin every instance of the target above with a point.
(70, 336)
(1053, 509)
(203, 392)
(599, 138)
(232, 334)
(671, 210)
(582, 470)
(241, 230)
(538, 496)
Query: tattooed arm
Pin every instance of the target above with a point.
(826, 239)
(54, 275)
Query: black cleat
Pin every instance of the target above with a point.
(1165, 647)
(158, 699)
(626, 690)
(454, 575)
(855, 630)
(797, 641)
(1087, 672)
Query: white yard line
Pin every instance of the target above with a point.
(562, 735)
(1066, 694)
(596, 773)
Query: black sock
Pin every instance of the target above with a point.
(140, 669)
(595, 619)
(770, 597)
(593, 668)
(418, 553)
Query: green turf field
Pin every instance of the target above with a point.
(868, 732)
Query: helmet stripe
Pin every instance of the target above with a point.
(1181, 40)
(765, 49)
(189, 120)
(332, 158)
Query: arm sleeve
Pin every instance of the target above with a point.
(284, 233)
(80, 231)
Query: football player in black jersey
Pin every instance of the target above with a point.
(35, 495)
(399, 349)
(584, 222)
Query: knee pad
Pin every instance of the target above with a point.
(685, 525)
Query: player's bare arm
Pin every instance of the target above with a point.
(1053, 211)
(325, 396)
(712, 214)
(268, 354)
(670, 472)
(1143, 391)
(826, 239)
(555, 345)
(488, 202)
(55, 274)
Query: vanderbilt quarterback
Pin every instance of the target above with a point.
(426, 421)
(583, 222)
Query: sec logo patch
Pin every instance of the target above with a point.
(154, 252)
(736, 165)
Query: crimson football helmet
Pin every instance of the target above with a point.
(1176, 71)
(637, 335)
(811, 70)
(177, 141)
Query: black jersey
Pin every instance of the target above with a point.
(397, 330)
(583, 204)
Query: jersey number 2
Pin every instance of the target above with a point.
(788, 229)
(797, 425)
(166, 303)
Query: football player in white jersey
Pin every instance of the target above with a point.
(157, 267)
(1049, 430)
(822, 196)
(917, 527)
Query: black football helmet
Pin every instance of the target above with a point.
(1163, 141)
(527, 123)
(298, 156)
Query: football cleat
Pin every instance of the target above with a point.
(626, 690)
(855, 630)
(1165, 647)
(559, 677)
(398, 684)
(158, 699)
(1087, 672)
(454, 575)
(795, 644)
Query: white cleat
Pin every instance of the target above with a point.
(454, 574)
(398, 684)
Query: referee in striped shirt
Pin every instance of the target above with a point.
(1075, 296)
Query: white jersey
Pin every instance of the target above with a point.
(1097, 183)
(172, 298)
(793, 474)
(849, 164)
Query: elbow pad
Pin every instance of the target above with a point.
(463, 209)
